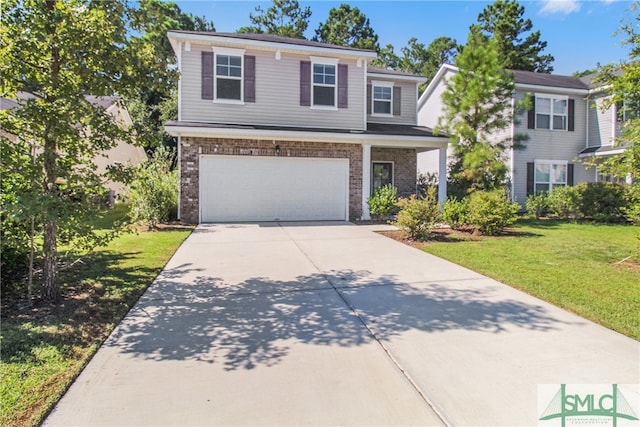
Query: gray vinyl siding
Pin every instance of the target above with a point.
(601, 123)
(408, 106)
(277, 95)
(551, 145)
(433, 107)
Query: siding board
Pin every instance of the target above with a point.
(277, 91)
(407, 105)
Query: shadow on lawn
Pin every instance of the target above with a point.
(256, 321)
(96, 294)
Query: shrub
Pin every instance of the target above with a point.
(631, 209)
(602, 201)
(153, 193)
(454, 212)
(565, 202)
(490, 211)
(425, 181)
(418, 216)
(537, 204)
(383, 201)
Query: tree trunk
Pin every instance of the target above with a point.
(50, 288)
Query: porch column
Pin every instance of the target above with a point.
(366, 180)
(442, 176)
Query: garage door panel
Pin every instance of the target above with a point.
(237, 188)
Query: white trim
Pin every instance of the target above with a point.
(442, 176)
(364, 101)
(179, 60)
(259, 44)
(552, 98)
(228, 52)
(559, 162)
(366, 177)
(388, 85)
(512, 165)
(324, 61)
(553, 89)
(434, 82)
(398, 77)
(354, 137)
(551, 182)
(602, 154)
(179, 163)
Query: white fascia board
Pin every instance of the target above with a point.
(552, 89)
(606, 153)
(265, 45)
(296, 135)
(395, 77)
(435, 81)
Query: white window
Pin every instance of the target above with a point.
(228, 77)
(549, 175)
(382, 99)
(626, 110)
(551, 112)
(324, 85)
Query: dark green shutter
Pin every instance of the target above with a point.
(570, 174)
(530, 177)
(571, 115)
(368, 99)
(531, 117)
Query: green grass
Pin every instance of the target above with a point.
(45, 347)
(574, 266)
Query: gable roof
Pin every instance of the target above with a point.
(100, 101)
(549, 80)
(266, 40)
(383, 72)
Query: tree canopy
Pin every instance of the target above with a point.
(519, 47)
(284, 18)
(477, 103)
(347, 26)
(74, 53)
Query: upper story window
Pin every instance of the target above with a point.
(627, 110)
(228, 78)
(551, 112)
(324, 85)
(382, 98)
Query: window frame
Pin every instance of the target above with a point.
(551, 112)
(333, 62)
(373, 188)
(551, 183)
(230, 53)
(381, 84)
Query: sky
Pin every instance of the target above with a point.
(579, 34)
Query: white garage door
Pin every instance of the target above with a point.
(239, 188)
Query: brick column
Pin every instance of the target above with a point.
(366, 179)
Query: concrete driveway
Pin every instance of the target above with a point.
(332, 324)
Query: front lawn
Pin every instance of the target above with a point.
(45, 347)
(578, 267)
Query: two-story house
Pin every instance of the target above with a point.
(566, 124)
(280, 129)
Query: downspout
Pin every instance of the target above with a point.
(512, 160)
(179, 162)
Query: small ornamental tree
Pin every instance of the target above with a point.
(53, 54)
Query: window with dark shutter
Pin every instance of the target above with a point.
(343, 86)
(571, 115)
(249, 78)
(397, 100)
(207, 75)
(305, 83)
(531, 116)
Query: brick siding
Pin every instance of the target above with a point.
(404, 167)
(192, 147)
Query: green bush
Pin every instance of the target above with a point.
(383, 201)
(153, 193)
(537, 204)
(454, 212)
(602, 201)
(418, 216)
(490, 211)
(631, 209)
(565, 202)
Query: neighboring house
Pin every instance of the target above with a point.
(273, 128)
(565, 125)
(121, 153)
